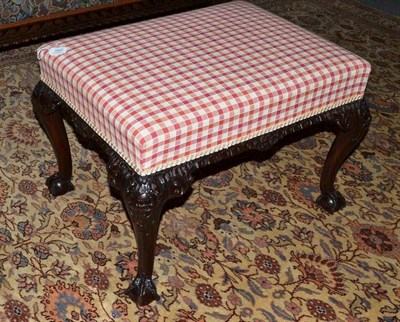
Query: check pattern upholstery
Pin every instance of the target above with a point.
(171, 89)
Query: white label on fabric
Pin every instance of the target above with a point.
(55, 51)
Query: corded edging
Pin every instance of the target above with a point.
(157, 168)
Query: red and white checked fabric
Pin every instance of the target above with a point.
(168, 90)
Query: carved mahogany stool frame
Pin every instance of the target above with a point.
(144, 196)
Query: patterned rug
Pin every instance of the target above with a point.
(247, 245)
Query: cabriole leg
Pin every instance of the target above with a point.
(143, 203)
(142, 289)
(144, 198)
(352, 126)
(47, 110)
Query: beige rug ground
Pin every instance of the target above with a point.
(248, 244)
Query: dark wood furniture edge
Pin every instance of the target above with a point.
(59, 25)
(144, 196)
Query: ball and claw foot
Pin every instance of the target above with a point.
(142, 291)
(331, 202)
(58, 186)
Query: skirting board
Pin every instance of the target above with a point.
(54, 26)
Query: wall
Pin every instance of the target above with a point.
(17, 10)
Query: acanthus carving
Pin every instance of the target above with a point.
(358, 117)
(147, 192)
(46, 99)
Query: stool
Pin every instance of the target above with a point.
(168, 96)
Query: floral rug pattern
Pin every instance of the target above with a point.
(247, 245)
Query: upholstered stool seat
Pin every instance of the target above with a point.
(165, 92)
